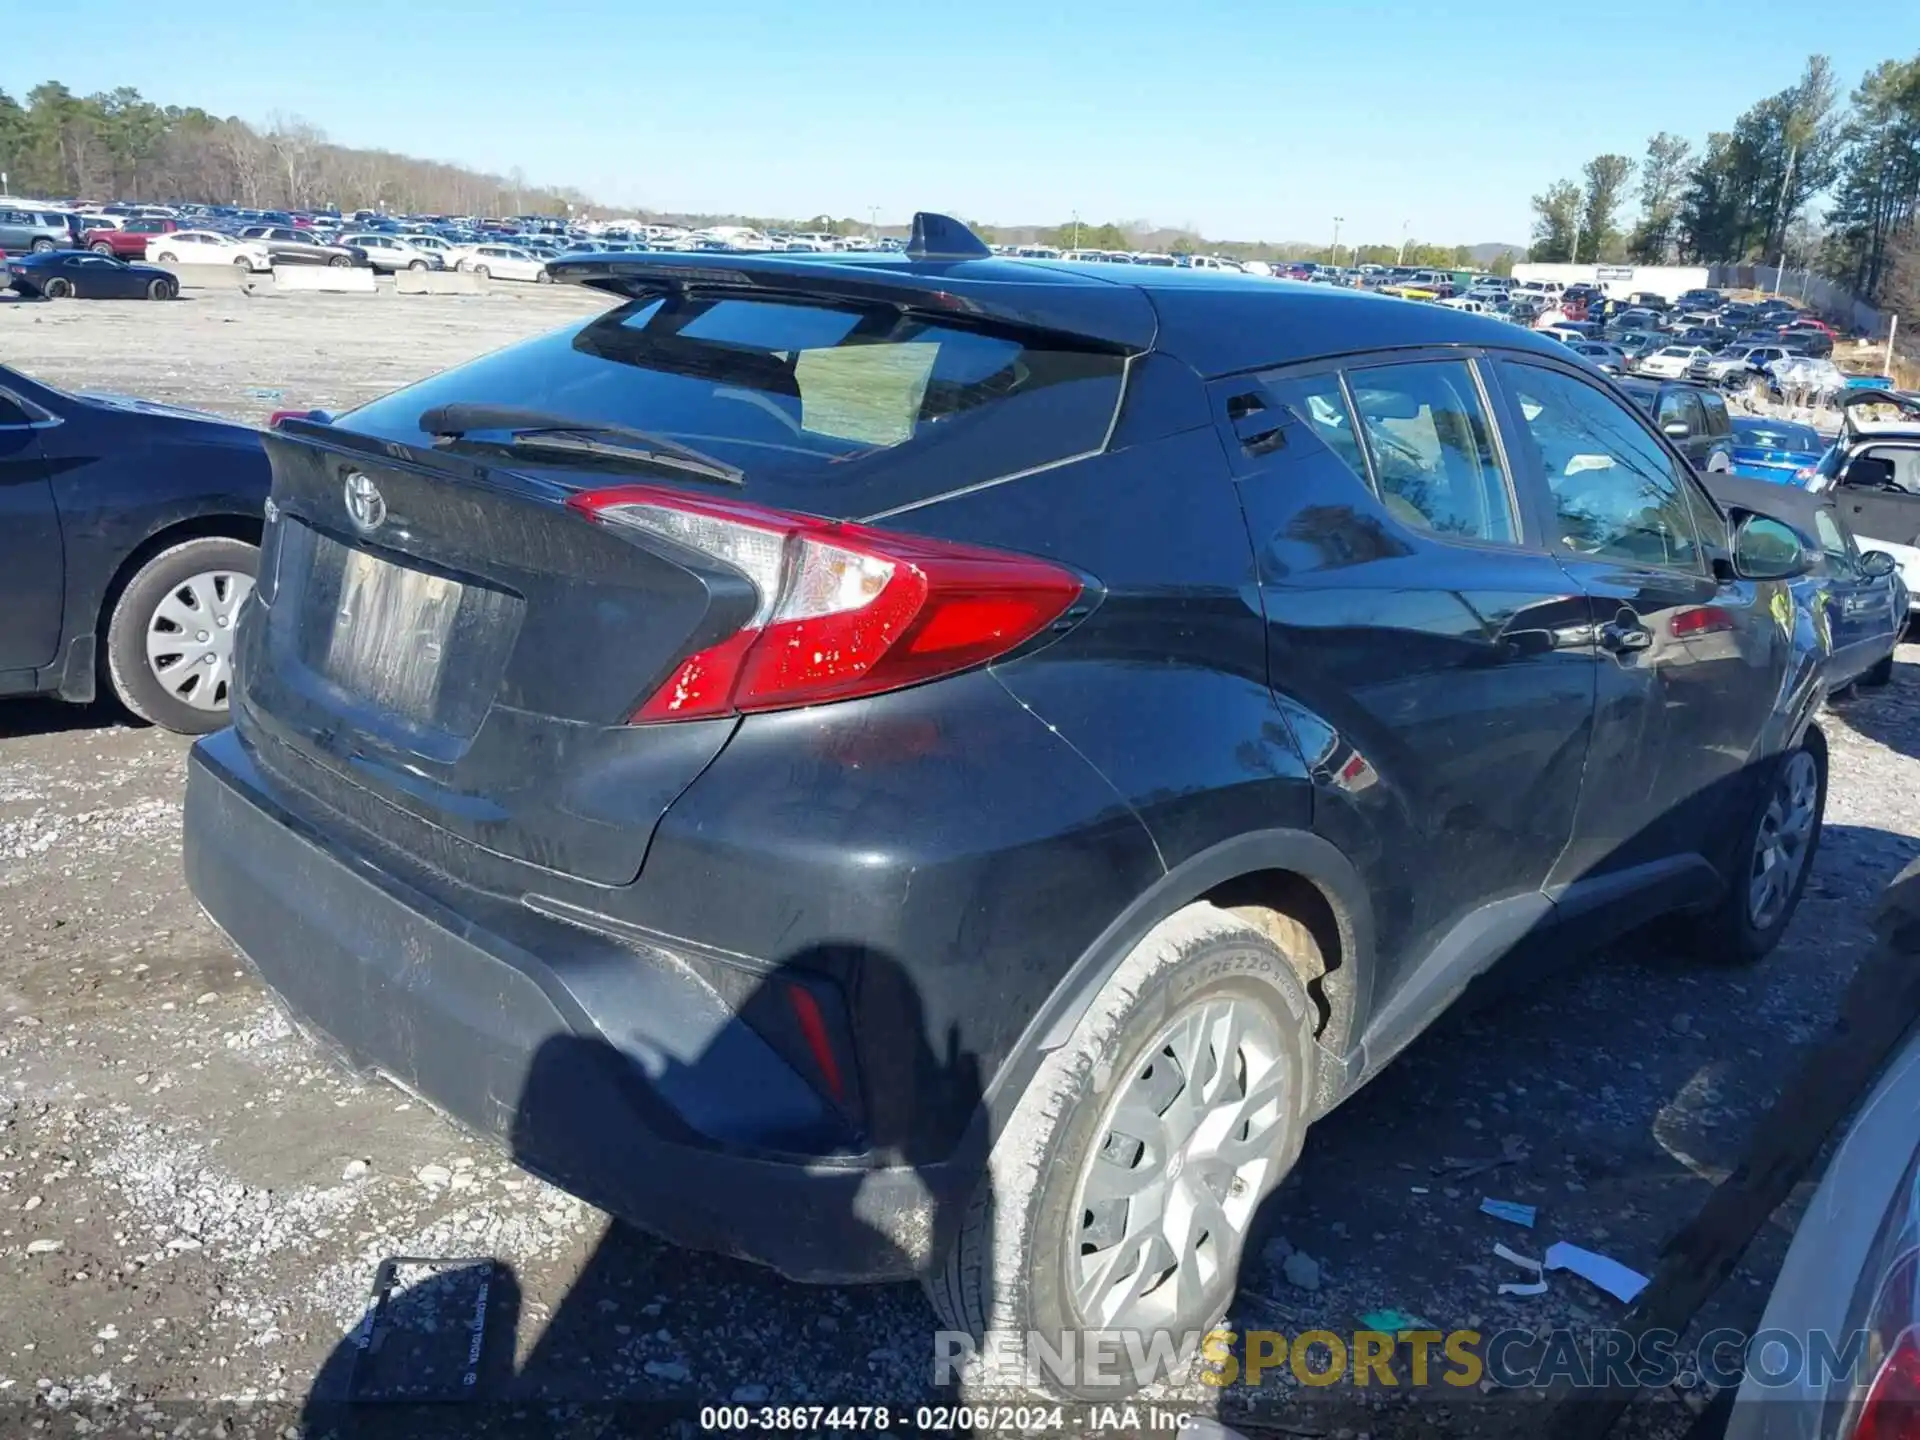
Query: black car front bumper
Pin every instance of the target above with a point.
(606, 1075)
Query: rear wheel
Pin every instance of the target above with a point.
(1773, 862)
(483, 272)
(1120, 1195)
(101, 248)
(161, 290)
(57, 289)
(170, 637)
(41, 246)
(168, 258)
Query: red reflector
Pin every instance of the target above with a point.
(1891, 1410)
(813, 1025)
(1701, 620)
(844, 610)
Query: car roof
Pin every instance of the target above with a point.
(1220, 322)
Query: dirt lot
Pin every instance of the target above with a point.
(193, 1201)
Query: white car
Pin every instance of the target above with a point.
(1670, 362)
(448, 253)
(1472, 304)
(208, 247)
(388, 253)
(505, 262)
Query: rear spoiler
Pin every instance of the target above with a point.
(951, 279)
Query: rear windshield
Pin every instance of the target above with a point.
(812, 398)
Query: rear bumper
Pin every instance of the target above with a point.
(604, 1068)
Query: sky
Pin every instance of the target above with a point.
(1246, 121)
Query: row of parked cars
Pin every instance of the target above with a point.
(586, 723)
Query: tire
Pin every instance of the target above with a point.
(339, 262)
(174, 585)
(1719, 463)
(543, 278)
(101, 249)
(1880, 674)
(57, 289)
(243, 263)
(483, 272)
(1731, 933)
(161, 290)
(416, 265)
(169, 259)
(41, 246)
(1022, 1248)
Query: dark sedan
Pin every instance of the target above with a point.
(84, 275)
(1776, 450)
(290, 246)
(129, 539)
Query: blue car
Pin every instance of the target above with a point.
(1774, 449)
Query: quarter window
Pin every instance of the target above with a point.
(1432, 449)
(1317, 402)
(1616, 493)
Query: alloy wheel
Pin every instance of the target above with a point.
(1780, 847)
(1180, 1161)
(190, 637)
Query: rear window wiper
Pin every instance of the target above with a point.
(566, 434)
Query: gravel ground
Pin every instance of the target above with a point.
(193, 1201)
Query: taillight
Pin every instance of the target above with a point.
(844, 610)
(1881, 1397)
(1891, 1409)
(1701, 620)
(319, 417)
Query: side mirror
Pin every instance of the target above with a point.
(1675, 428)
(1768, 549)
(1877, 564)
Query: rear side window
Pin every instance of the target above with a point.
(1319, 404)
(1719, 422)
(804, 396)
(1432, 449)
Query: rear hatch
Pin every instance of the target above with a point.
(455, 658)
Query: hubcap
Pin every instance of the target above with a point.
(190, 637)
(1179, 1163)
(1780, 849)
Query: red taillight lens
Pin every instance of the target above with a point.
(844, 610)
(273, 420)
(1891, 1410)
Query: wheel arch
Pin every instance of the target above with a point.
(1288, 872)
(213, 526)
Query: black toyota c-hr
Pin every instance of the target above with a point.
(946, 766)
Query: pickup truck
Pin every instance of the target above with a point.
(127, 241)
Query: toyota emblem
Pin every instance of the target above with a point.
(366, 506)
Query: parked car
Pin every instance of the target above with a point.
(1776, 450)
(1650, 300)
(287, 245)
(1851, 1271)
(507, 262)
(25, 231)
(441, 249)
(128, 239)
(209, 247)
(128, 543)
(389, 253)
(1694, 418)
(1737, 364)
(1670, 362)
(1873, 471)
(681, 645)
(1703, 299)
(86, 275)
(1857, 596)
(1609, 358)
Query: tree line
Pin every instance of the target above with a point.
(1747, 193)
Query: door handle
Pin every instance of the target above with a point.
(1622, 638)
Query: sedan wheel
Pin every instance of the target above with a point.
(543, 278)
(170, 641)
(169, 258)
(242, 262)
(416, 265)
(1782, 842)
(339, 262)
(483, 272)
(160, 290)
(57, 289)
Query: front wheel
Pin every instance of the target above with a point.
(169, 258)
(1121, 1193)
(241, 262)
(41, 246)
(1774, 858)
(102, 248)
(543, 278)
(170, 637)
(416, 265)
(339, 262)
(161, 290)
(483, 272)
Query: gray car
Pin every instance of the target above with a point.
(290, 246)
(24, 231)
(1850, 1272)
